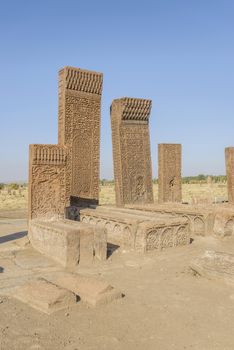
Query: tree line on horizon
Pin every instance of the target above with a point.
(198, 179)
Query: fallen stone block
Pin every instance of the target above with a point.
(91, 290)
(44, 296)
(215, 265)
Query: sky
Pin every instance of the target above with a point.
(179, 53)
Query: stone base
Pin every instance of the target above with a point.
(67, 242)
(90, 289)
(138, 230)
(203, 220)
(45, 296)
(215, 265)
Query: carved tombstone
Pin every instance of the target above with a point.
(131, 150)
(79, 130)
(64, 174)
(169, 173)
(229, 155)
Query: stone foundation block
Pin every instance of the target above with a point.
(215, 265)
(90, 289)
(45, 296)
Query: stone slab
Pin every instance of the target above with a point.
(138, 230)
(91, 290)
(215, 265)
(45, 296)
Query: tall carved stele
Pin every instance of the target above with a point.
(131, 150)
(169, 173)
(67, 172)
(229, 155)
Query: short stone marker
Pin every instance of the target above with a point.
(91, 290)
(169, 173)
(45, 296)
(215, 265)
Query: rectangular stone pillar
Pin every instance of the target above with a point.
(68, 173)
(79, 130)
(47, 169)
(229, 155)
(131, 150)
(169, 173)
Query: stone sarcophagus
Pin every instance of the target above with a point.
(63, 174)
(169, 173)
(138, 230)
(131, 150)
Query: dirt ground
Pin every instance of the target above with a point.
(165, 306)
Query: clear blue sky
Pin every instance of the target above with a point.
(179, 53)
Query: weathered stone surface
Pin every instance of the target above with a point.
(47, 192)
(224, 222)
(215, 265)
(169, 173)
(229, 155)
(79, 130)
(100, 243)
(138, 230)
(131, 150)
(70, 169)
(45, 296)
(57, 240)
(91, 290)
(68, 242)
(200, 218)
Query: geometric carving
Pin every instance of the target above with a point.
(46, 181)
(131, 150)
(70, 169)
(169, 173)
(167, 238)
(79, 129)
(142, 232)
(229, 155)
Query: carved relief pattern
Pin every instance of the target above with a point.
(153, 239)
(81, 130)
(82, 80)
(48, 154)
(71, 168)
(131, 151)
(169, 173)
(167, 238)
(47, 191)
(182, 237)
(142, 237)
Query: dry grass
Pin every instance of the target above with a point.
(192, 193)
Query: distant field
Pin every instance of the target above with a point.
(192, 193)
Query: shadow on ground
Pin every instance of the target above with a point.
(13, 236)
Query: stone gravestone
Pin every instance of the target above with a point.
(169, 173)
(68, 173)
(131, 150)
(229, 155)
